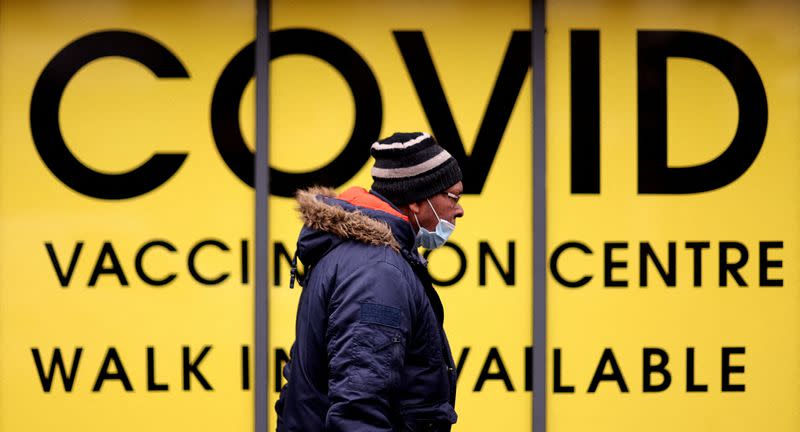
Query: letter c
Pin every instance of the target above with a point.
(554, 264)
(46, 101)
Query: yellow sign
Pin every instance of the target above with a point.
(126, 275)
(462, 72)
(126, 206)
(673, 217)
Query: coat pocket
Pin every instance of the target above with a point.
(379, 352)
(384, 345)
(437, 416)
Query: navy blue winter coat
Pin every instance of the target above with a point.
(370, 352)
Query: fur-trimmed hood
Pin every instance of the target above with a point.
(355, 215)
(326, 215)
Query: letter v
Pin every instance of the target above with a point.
(62, 278)
(509, 82)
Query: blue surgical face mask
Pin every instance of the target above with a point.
(433, 240)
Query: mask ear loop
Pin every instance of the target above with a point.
(434, 211)
(415, 218)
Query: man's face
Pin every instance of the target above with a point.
(446, 205)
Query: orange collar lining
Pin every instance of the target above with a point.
(359, 196)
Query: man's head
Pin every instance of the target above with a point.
(418, 176)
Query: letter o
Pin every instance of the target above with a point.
(355, 71)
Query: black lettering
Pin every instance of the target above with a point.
(328, 48)
(765, 264)
(554, 264)
(63, 278)
(152, 385)
(107, 251)
(420, 66)
(585, 111)
(557, 386)
(697, 250)
(508, 276)
(140, 266)
(462, 265)
(501, 374)
(281, 358)
(192, 368)
(67, 379)
(609, 264)
(654, 48)
(192, 268)
(528, 369)
(245, 261)
(691, 387)
(615, 375)
(46, 102)
(728, 369)
(660, 368)
(245, 367)
(104, 374)
(667, 275)
(726, 267)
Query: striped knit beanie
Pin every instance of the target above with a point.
(410, 167)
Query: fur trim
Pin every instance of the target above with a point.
(356, 226)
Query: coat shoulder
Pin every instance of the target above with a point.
(373, 262)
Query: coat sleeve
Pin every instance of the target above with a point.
(287, 372)
(368, 325)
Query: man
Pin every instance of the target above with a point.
(370, 352)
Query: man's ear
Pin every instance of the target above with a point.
(414, 207)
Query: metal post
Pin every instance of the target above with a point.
(261, 340)
(539, 219)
